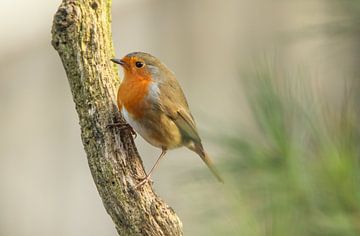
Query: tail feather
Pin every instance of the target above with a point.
(205, 157)
(211, 166)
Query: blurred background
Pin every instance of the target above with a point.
(274, 87)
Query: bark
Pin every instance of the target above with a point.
(82, 36)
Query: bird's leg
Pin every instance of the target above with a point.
(122, 126)
(147, 178)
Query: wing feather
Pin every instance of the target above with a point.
(186, 124)
(175, 106)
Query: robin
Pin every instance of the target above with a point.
(153, 103)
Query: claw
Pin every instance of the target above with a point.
(122, 126)
(147, 178)
(113, 125)
(143, 181)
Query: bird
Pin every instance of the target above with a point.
(153, 103)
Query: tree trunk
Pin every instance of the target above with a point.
(82, 36)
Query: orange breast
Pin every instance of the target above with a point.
(132, 95)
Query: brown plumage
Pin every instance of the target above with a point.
(153, 103)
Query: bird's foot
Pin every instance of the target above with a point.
(122, 126)
(143, 181)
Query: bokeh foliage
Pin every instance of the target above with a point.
(298, 173)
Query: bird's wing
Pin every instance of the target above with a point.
(186, 124)
(175, 106)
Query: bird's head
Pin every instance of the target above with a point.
(140, 65)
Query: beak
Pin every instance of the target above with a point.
(118, 61)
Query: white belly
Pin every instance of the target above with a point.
(131, 121)
(170, 134)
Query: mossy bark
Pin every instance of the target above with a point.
(82, 36)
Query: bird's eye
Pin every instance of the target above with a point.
(139, 64)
